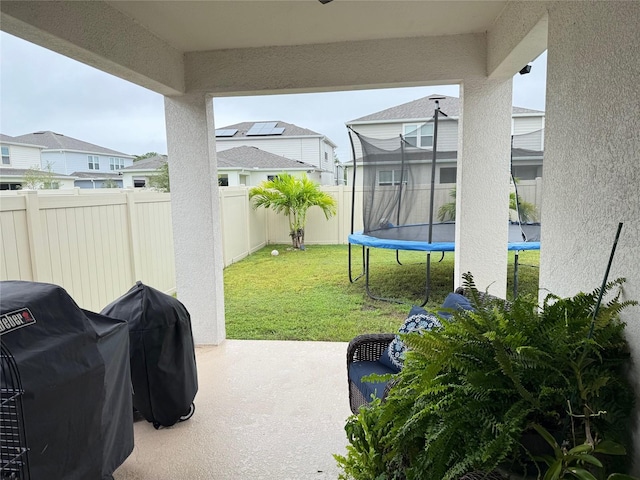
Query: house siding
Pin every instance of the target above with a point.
(528, 133)
(79, 162)
(286, 147)
(55, 160)
(447, 133)
(22, 156)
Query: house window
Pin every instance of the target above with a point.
(271, 177)
(389, 177)
(448, 175)
(419, 135)
(94, 162)
(223, 180)
(6, 160)
(139, 182)
(116, 163)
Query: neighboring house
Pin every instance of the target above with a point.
(138, 174)
(413, 120)
(249, 166)
(17, 158)
(70, 156)
(285, 140)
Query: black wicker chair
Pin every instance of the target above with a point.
(368, 347)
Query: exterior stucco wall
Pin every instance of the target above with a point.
(195, 212)
(482, 206)
(592, 148)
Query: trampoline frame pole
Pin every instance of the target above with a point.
(353, 206)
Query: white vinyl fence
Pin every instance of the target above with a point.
(97, 243)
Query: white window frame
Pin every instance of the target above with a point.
(116, 163)
(93, 162)
(421, 132)
(7, 156)
(395, 178)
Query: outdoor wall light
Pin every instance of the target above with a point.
(526, 69)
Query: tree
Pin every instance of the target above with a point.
(528, 211)
(160, 180)
(293, 196)
(146, 155)
(109, 183)
(36, 178)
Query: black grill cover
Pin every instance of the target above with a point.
(74, 368)
(162, 355)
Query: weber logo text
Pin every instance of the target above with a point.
(14, 320)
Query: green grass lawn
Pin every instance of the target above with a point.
(306, 295)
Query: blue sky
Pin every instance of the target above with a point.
(52, 92)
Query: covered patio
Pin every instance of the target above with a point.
(193, 51)
(264, 410)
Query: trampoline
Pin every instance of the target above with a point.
(395, 204)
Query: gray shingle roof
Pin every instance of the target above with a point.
(12, 140)
(151, 163)
(423, 108)
(96, 175)
(19, 172)
(252, 157)
(290, 130)
(56, 141)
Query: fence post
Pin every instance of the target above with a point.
(134, 244)
(38, 248)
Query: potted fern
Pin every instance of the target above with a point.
(471, 390)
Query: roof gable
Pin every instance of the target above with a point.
(252, 157)
(423, 108)
(151, 163)
(290, 130)
(56, 141)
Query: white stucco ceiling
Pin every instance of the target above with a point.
(190, 26)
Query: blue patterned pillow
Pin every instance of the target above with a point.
(418, 320)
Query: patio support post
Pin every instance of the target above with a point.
(195, 211)
(591, 159)
(482, 185)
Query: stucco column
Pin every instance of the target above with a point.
(482, 190)
(195, 212)
(592, 156)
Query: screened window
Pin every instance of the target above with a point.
(94, 162)
(448, 175)
(419, 135)
(6, 159)
(389, 177)
(116, 163)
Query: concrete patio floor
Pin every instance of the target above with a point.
(264, 410)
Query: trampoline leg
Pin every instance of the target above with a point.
(515, 276)
(427, 285)
(351, 279)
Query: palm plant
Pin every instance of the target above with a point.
(293, 196)
(527, 211)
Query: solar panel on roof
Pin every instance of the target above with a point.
(226, 132)
(265, 128)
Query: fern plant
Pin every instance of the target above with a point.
(470, 389)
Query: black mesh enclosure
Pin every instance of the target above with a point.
(74, 370)
(162, 354)
(396, 179)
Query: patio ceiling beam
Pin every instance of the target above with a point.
(518, 36)
(366, 64)
(97, 34)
